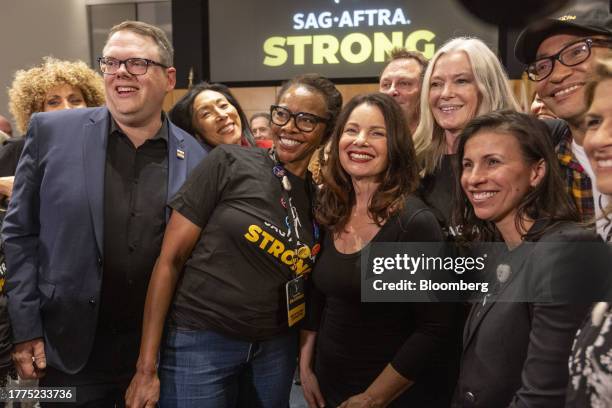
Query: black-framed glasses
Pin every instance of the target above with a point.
(135, 66)
(572, 54)
(306, 122)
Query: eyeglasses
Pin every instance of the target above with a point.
(306, 122)
(135, 66)
(570, 55)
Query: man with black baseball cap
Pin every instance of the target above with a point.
(559, 53)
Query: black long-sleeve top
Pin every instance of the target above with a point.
(357, 340)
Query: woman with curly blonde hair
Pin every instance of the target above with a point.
(33, 90)
(52, 85)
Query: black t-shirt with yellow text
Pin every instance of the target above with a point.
(234, 281)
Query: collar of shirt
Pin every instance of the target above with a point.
(577, 181)
(162, 133)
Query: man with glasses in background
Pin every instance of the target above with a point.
(559, 53)
(87, 219)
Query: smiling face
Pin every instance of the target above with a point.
(401, 80)
(293, 146)
(363, 144)
(216, 120)
(453, 95)
(261, 128)
(563, 90)
(598, 136)
(136, 100)
(63, 97)
(496, 177)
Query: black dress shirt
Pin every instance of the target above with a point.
(135, 195)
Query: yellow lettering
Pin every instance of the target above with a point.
(267, 238)
(276, 248)
(382, 45)
(287, 257)
(299, 43)
(346, 48)
(354, 48)
(301, 267)
(324, 47)
(253, 234)
(275, 53)
(412, 42)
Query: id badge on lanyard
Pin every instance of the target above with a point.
(294, 289)
(296, 300)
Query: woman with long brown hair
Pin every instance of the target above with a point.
(371, 353)
(517, 339)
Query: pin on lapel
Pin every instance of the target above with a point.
(503, 273)
(180, 154)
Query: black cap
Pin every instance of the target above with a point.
(591, 18)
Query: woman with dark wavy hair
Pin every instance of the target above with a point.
(545, 200)
(371, 354)
(515, 350)
(211, 114)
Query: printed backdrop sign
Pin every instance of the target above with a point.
(272, 40)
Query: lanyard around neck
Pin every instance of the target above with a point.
(292, 220)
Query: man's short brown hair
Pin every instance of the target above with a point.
(166, 52)
(402, 53)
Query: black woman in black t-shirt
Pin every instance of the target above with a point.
(228, 283)
(371, 354)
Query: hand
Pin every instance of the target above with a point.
(143, 390)
(310, 388)
(360, 401)
(30, 359)
(6, 186)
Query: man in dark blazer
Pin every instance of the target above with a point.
(87, 218)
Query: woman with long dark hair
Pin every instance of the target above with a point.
(518, 338)
(210, 113)
(371, 354)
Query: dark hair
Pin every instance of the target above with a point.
(181, 113)
(327, 89)
(401, 177)
(398, 53)
(264, 115)
(547, 201)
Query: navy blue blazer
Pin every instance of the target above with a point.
(53, 230)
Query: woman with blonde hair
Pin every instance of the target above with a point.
(53, 85)
(463, 80)
(589, 366)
